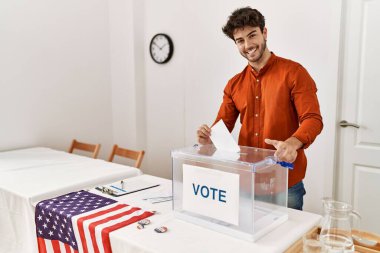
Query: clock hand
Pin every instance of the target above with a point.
(154, 43)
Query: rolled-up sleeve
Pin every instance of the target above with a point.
(304, 96)
(227, 111)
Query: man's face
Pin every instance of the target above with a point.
(251, 42)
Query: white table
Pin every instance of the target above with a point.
(185, 237)
(30, 175)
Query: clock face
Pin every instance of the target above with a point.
(161, 48)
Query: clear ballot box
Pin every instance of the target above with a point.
(241, 194)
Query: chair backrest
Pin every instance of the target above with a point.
(93, 148)
(127, 153)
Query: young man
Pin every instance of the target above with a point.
(275, 97)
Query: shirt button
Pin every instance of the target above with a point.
(257, 80)
(257, 134)
(257, 97)
(256, 115)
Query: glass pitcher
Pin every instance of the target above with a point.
(336, 227)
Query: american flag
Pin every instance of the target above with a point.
(81, 222)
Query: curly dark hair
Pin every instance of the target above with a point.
(243, 17)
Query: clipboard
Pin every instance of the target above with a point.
(126, 187)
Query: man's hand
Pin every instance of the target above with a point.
(286, 150)
(203, 134)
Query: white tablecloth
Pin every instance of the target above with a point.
(185, 237)
(31, 175)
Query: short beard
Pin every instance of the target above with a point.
(263, 46)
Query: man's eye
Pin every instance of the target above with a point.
(251, 36)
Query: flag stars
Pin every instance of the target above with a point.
(54, 227)
(45, 226)
(47, 220)
(39, 217)
(40, 231)
(67, 239)
(51, 233)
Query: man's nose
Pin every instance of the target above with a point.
(247, 44)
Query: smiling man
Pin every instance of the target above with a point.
(275, 98)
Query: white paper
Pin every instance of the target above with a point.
(222, 138)
(212, 193)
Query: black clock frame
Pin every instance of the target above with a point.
(171, 45)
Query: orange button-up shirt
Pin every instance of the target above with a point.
(277, 102)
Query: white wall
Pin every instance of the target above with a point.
(54, 73)
(82, 69)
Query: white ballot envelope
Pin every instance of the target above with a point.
(222, 138)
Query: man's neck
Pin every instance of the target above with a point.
(262, 61)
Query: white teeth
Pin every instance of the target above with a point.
(251, 51)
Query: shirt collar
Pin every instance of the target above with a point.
(269, 63)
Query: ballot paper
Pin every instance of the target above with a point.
(223, 139)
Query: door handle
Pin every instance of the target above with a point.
(344, 123)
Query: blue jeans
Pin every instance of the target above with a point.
(295, 196)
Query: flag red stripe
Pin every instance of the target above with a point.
(82, 219)
(67, 248)
(41, 245)
(55, 244)
(107, 230)
(93, 225)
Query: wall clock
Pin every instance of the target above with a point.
(161, 48)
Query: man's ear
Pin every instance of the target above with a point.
(265, 33)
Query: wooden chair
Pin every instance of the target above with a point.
(127, 153)
(93, 148)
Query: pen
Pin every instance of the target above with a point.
(117, 188)
(159, 201)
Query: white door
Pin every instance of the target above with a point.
(358, 174)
